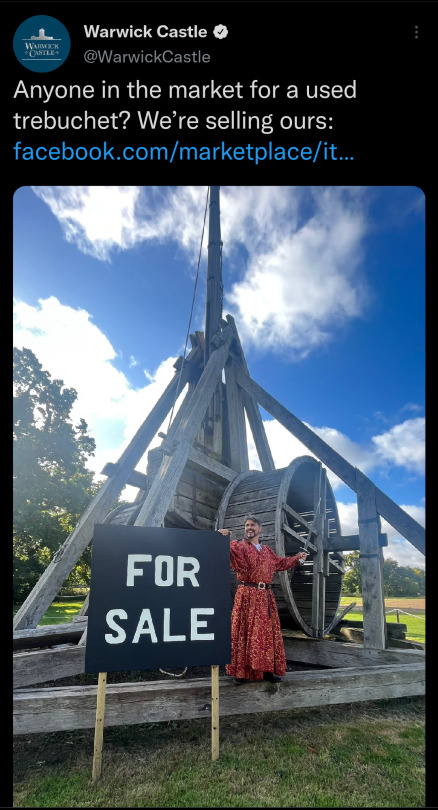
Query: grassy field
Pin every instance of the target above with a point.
(353, 755)
(370, 754)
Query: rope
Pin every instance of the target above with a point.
(172, 674)
(405, 613)
(191, 313)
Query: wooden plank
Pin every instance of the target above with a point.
(252, 409)
(213, 306)
(70, 708)
(339, 654)
(98, 730)
(184, 520)
(136, 479)
(45, 590)
(199, 461)
(299, 518)
(48, 634)
(350, 542)
(236, 420)
(258, 433)
(183, 504)
(260, 505)
(317, 607)
(158, 500)
(40, 666)
(397, 517)
(208, 490)
(337, 618)
(301, 539)
(371, 565)
(214, 712)
(322, 528)
(251, 482)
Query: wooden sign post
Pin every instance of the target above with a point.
(98, 729)
(214, 713)
(159, 598)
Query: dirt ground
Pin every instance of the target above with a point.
(410, 603)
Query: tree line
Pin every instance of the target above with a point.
(52, 485)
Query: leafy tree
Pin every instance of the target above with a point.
(401, 580)
(397, 580)
(52, 485)
(352, 582)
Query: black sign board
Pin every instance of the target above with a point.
(158, 598)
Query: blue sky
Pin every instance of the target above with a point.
(326, 285)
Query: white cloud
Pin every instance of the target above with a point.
(302, 277)
(71, 348)
(102, 219)
(302, 280)
(403, 445)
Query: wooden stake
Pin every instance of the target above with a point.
(214, 712)
(98, 729)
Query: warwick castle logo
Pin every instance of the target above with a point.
(41, 43)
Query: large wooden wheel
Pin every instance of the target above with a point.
(298, 511)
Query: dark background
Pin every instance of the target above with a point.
(388, 127)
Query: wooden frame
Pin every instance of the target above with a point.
(377, 671)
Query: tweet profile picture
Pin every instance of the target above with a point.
(41, 43)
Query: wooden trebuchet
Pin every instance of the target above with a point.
(286, 502)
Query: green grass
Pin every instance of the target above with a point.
(415, 626)
(414, 619)
(62, 611)
(356, 755)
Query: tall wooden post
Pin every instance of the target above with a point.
(318, 558)
(98, 728)
(212, 424)
(371, 565)
(236, 420)
(213, 305)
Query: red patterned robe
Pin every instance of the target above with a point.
(256, 640)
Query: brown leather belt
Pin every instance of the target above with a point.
(260, 585)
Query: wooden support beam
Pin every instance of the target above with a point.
(334, 564)
(258, 433)
(204, 464)
(350, 542)
(236, 420)
(45, 590)
(157, 502)
(70, 708)
(136, 479)
(371, 565)
(322, 529)
(317, 564)
(48, 634)
(39, 666)
(298, 518)
(252, 409)
(388, 509)
(340, 654)
(213, 306)
(303, 540)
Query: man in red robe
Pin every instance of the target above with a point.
(257, 650)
